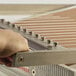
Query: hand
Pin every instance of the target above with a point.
(11, 43)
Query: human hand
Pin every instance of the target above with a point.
(11, 43)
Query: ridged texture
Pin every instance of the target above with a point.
(51, 70)
(59, 27)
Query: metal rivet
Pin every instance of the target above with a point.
(36, 35)
(33, 72)
(20, 59)
(48, 41)
(55, 44)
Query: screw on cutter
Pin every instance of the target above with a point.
(21, 59)
(33, 72)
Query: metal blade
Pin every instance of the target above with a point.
(44, 58)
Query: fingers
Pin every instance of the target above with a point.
(12, 43)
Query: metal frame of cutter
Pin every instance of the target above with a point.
(53, 70)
